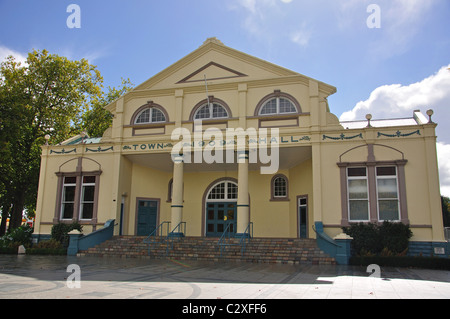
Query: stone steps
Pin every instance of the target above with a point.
(261, 250)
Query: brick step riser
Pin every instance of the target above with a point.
(258, 250)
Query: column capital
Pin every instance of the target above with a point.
(177, 158)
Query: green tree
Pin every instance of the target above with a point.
(97, 119)
(46, 95)
(445, 201)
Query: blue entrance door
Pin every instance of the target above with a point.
(147, 216)
(218, 216)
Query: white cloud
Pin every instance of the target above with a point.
(401, 21)
(400, 100)
(273, 21)
(301, 36)
(396, 100)
(5, 52)
(443, 151)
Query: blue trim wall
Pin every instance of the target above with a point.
(428, 249)
(79, 242)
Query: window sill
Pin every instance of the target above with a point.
(279, 199)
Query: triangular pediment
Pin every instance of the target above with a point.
(212, 71)
(218, 63)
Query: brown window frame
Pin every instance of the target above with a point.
(77, 205)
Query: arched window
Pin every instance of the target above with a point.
(150, 115)
(226, 190)
(210, 109)
(279, 188)
(277, 103)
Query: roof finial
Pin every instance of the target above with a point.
(213, 40)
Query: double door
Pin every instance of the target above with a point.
(218, 216)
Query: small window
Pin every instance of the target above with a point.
(278, 105)
(279, 188)
(211, 111)
(151, 115)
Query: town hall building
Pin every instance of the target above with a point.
(221, 139)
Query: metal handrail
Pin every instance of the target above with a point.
(225, 238)
(325, 237)
(170, 236)
(154, 234)
(246, 239)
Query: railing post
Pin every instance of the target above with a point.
(343, 250)
(74, 237)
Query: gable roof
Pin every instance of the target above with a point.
(217, 62)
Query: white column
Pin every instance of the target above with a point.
(243, 205)
(177, 194)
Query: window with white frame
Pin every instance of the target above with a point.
(68, 197)
(358, 194)
(87, 197)
(78, 197)
(280, 187)
(210, 111)
(150, 115)
(278, 105)
(224, 191)
(387, 193)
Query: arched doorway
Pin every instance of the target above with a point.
(221, 208)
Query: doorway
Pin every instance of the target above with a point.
(218, 216)
(302, 202)
(147, 215)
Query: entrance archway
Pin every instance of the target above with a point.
(220, 207)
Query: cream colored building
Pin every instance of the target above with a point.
(326, 171)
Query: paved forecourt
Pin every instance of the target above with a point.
(62, 277)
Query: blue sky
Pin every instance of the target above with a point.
(403, 63)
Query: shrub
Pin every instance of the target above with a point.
(372, 239)
(60, 232)
(49, 244)
(47, 247)
(394, 236)
(16, 237)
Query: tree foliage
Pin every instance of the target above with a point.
(46, 95)
(97, 119)
(445, 201)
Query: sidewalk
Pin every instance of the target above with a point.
(27, 277)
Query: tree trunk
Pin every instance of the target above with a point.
(16, 213)
(5, 215)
